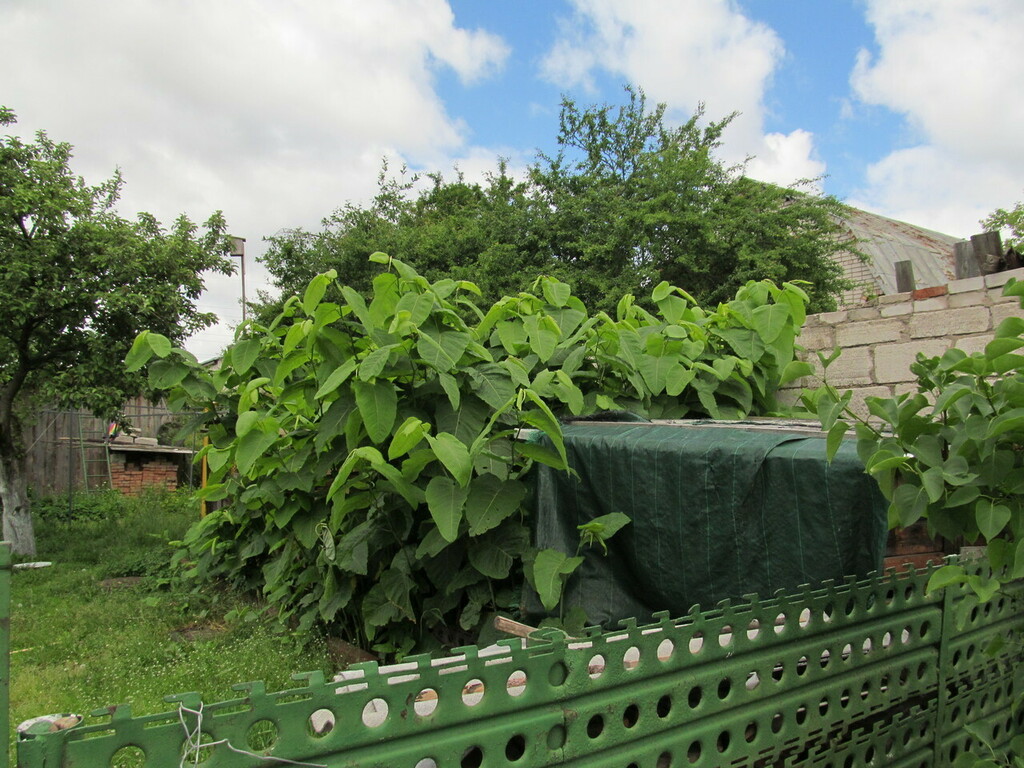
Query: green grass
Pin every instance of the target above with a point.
(78, 645)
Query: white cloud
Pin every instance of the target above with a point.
(953, 69)
(276, 112)
(683, 53)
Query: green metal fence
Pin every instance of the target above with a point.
(854, 674)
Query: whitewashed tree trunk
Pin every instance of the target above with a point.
(17, 513)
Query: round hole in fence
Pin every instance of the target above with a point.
(750, 732)
(128, 757)
(664, 706)
(694, 697)
(558, 674)
(665, 649)
(320, 723)
(473, 692)
(922, 670)
(631, 658)
(805, 617)
(869, 754)
(725, 637)
(426, 762)
(595, 667)
(556, 737)
(595, 726)
(693, 752)
(970, 651)
(956, 658)
(193, 751)
(697, 642)
(823, 705)
(753, 629)
(887, 640)
(890, 744)
(867, 645)
(801, 665)
(630, 715)
(904, 676)
(753, 681)
(664, 760)
(847, 652)
(780, 623)
(801, 714)
(722, 743)
(375, 712)
(865, 689)
(516, 683)
(262, 736)
(844, 698)
(906, 635)
(883, 684)
(776, 722)
(925, 628)
(778, 670)
(825, 658)
(426, 702)
(724, 686)
(472, 757)
(890, 596)
(974, 614)
(851, 606)
(515, 748)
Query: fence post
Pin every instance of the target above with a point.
(5, 651)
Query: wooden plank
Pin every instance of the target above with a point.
(966, 264)
(904, 276)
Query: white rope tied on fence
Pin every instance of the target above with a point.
(191, 753)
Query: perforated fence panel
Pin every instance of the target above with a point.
(866, 673)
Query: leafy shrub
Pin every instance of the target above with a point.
(369, 450)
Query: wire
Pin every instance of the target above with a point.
(191, 750)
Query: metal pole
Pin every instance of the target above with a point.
(238, 249)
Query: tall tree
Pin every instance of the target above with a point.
(626, 202)
(77, 284)
(1010, 221)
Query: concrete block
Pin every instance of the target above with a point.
(968, 299)
(952, 322)
(869, 332)
(863, 313)
(892, 361)
(817, 337)
(831, 318)
(893, 298)
(1002, 311)
(904, 307)
(931, 305)
(972, 344)
(967, 284)
(1001, 278)
(852, 368)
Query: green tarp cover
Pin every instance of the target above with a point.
(718, 512)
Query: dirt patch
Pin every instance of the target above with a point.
(121, 582)
(192, 633)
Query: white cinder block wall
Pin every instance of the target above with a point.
(881, 339)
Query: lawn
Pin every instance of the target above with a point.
(106, 624)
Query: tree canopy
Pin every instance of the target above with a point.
(1010, 220)
(77, 284)
(627, 201)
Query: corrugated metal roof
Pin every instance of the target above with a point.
(887, 241)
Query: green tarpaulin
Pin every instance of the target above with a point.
(718, 512)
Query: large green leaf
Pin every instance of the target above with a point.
(378, 405)
(443, 350)
(491, 500)
(770, 321)
(454, 454)
(251, 446)
(494, 553)
(445, 500)
(991, 518)
(549, 571)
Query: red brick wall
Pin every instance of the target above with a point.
(133, 474)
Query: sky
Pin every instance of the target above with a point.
(278, 111)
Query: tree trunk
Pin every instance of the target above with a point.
(17, 514)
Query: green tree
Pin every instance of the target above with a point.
(625, 203)
(1011, 220)
(77, 284)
